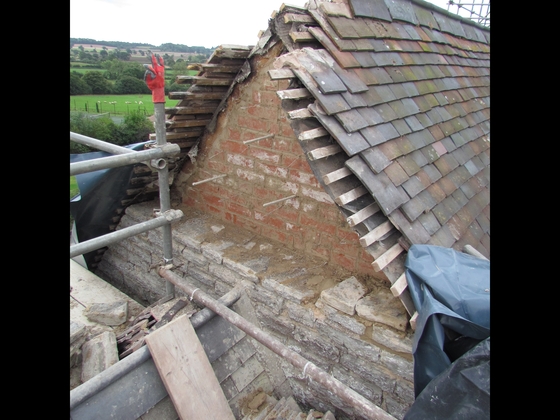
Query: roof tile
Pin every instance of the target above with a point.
(432, 173)
(351, 120)
(460, 197)
(436, 192)
(430, 222)
(404, 145)
(424, 16)
(375, 159)
(448, 144)
(430, 153)
(424, 120)
(413, 123)
(401, 126)
(413, 208)
(372, 9)
(386, 112)
(420, 138)
(446, 184)
(413, 186)
(414, 232)
(401, 10)
(371, 116)
(408, 164)
(396, 173)
(390, 149)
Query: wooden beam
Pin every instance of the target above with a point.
(190, 110)
(302, 37)
(188, 123)
(398, 286)
(203, 81)
(413, 320)
(220, 68)
(363, 214)
(322, 152)
(389, 255)
(376, 233)
(280, 74)
(300, 114)
(300, 93)
(336, 175)
(198, 96)
(351, 195)
(186, 372)
(180, 135)
(313, 134)
(469, 249)
(295, 17)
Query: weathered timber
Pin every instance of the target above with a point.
(188, 123)
(279, 74)
(363, 214)
(350, 195)
(302, 37)
(299, 114)
(387, 257)
(294, 93)
(193, 95)
(323, 152)
(313, 134)
(190, 110)
(204, 81)
(295, 17)
(336, 175)
(376, 233)
(194, 388)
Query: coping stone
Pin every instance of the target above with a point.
(344, 295)
(114, 313)
(383, 307)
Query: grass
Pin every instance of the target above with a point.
(74, 190)
(79, 102)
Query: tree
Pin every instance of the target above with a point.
(78, 86)
(96, 82)
(129, 84)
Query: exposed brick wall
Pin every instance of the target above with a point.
(268, 170)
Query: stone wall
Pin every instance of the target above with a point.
(358, 334)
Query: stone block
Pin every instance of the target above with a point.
(345, 295)
(114, 313)
(394, 340)
(98, 354)
(347, 322)
(385, 308)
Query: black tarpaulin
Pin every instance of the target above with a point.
(451, 292)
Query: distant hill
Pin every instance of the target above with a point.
(168, 47)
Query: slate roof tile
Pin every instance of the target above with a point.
(375, 159)
(413, 186)
(413, 208)
(448, 144)
(406, 95)
(376, 9)
(429, 222)
(396, 173)
(408, 164)
(401, 126)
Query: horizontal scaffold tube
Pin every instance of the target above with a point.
(165, 218)
(99, 144)
(170, 149)
(359, 403)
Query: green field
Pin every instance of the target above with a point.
(74, 190)
(115, 104)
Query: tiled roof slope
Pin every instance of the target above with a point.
(400, 89)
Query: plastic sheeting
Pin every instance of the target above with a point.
(451, 292)
(100, 195)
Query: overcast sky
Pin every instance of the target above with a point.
(206, 23)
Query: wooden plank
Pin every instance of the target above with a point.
(313, 134)
(469, 249)
(203, 81)
(336, 175)
(294, 93)
(323, 152)
(190, 110)
(413, 320)
(279, 74)
(188, 123)
(376, 233)
(300, 114)
(198, 96)
(302, 37)
(180, 135)
(221, 68)
(295, 17)
(351, 195)
(389, 255)
(363, 214)
(399, 285)
(186, 372)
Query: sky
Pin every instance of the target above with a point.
(204, 23)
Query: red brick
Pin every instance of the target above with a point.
(264, 143)
(214, 200)
(272, 170)
(219, 166)
(312, 223)
(344, 261)
(252, 123)
(264, 155)
(282, 237)
(238, 209)
(243, 222)
(233, 146)
(304, 178)
(234, 133)
(264, 112)
(296, 162)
